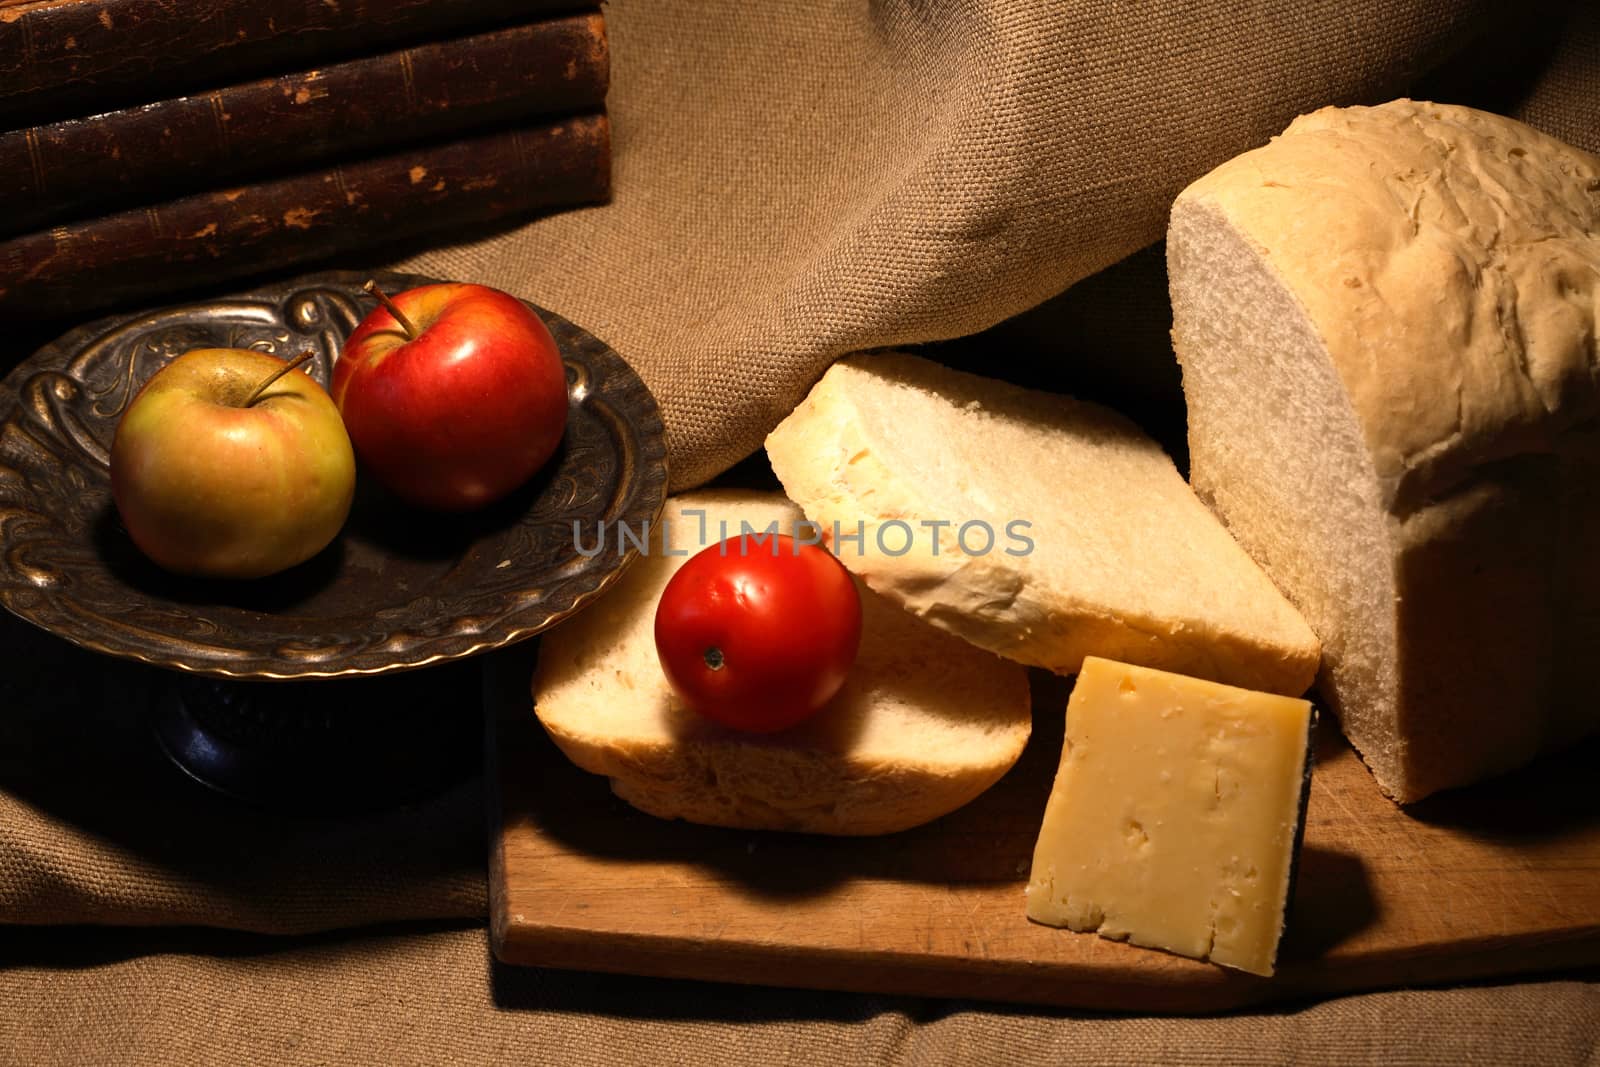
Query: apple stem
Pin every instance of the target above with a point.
(389, 305)
(279, 373)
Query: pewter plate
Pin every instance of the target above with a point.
(398, 589)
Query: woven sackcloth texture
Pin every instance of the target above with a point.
(434, 998)
(793, 181)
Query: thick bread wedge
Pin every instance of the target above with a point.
(923, 725)
(1124, 561)
(1386, 321)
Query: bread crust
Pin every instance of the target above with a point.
(1449, 259)
(778, 787)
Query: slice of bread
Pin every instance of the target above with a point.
(1099, 547)
(1386, 321)
(922, 726)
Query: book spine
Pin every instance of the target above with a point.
(202, 239)
(79, 167)
(63, 58)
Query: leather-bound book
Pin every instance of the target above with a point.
(211, 236)
(87, 166)
(66, 58)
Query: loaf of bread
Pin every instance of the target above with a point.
(1386, 322)
(924, 723)
(1114, 555)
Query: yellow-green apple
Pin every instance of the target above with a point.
(231, 463)
(454, 394)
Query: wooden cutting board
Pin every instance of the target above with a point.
(1502, 879)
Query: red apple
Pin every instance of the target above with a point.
(215, 475)
(454, 394)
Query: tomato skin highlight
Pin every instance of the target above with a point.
(759, 632)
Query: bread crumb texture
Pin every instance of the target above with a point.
(1041, 528)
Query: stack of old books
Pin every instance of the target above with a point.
(152, 145)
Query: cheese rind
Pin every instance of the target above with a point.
(1175, 815)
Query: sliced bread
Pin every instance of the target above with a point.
(1386, 322)
(923, 725)
(1039, 527)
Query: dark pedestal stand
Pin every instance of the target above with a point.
(337, 745)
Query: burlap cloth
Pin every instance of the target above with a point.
(793, 181)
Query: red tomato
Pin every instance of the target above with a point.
(758, 632)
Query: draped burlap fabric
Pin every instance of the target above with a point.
(432, 998)
(797, 181)
(793, 181)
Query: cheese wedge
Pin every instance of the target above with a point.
(1175, 816)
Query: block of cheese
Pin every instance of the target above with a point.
(1034, 525)
(1387, 324)
(1175, 816)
